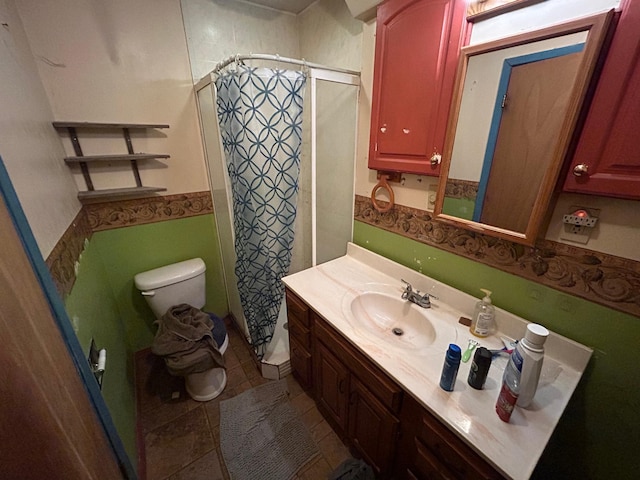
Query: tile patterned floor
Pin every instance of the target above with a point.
(181, 436)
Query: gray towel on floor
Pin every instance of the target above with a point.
(185, 341)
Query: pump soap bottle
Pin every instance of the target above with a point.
(483, 323)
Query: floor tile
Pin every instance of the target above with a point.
(302, 402)
(175, 445)
(311, 417)
(333, 450)
(206, 467)
(293, 386)
(257, 381)
(235, 376)
(319, 468)
(250, 369)
(321, 430)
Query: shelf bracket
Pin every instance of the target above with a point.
(78, 150)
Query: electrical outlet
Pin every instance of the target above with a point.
(579, 223)
(431, 196)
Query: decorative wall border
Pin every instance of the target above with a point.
(601, 278)
(461, 189)
(62, 259)
(125, 213)
(105, 216)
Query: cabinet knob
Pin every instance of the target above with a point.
(580, 170)
(436, 158)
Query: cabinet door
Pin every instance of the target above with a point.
(298, 314)
(608, 146)
(301, 365)
(373, 430)
(429, 450)
(332, 386)
(417, 49)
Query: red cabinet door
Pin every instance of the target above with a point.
(608, 147)
(417, 49)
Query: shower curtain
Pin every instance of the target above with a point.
(260, 116)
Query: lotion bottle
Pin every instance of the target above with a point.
(531, 350)
(483, 322)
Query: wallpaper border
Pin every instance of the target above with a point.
(601, 278)
(117, 214)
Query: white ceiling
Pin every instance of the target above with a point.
(292, 6)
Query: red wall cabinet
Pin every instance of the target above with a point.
(417, 48)
(607, 158)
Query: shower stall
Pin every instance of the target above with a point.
(324, 218)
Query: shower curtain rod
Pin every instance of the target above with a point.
(277, 58)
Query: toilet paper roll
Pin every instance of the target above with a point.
(102, 360)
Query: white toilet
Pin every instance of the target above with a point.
(184, 282)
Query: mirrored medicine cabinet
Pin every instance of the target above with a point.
(516, 104)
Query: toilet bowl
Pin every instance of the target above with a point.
(184, 282)
(207, 385)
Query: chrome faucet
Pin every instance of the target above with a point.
(423, 301)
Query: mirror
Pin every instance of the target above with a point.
(515, 107)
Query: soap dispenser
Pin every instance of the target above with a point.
(483, 322)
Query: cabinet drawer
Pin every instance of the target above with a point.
(451, 452)
(297, 310)
(300, 333)
(387, 391)
(428, 466)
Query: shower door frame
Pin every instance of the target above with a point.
(316, 74)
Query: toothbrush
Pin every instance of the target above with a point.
(509, 345)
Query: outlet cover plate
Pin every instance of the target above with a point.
(431, 196)
(579, 233)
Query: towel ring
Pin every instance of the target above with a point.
(382, 183)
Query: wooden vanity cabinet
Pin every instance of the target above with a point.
(417, 49)
(607, 157)
(357, 398)
(381, 423)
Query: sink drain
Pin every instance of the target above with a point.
(397, 331)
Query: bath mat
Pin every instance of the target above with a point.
(261, 436)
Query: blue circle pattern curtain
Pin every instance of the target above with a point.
(260, 115)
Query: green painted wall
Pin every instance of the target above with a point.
(459, 207)
(128, 251)
(105, 305)
(599, 432)
(94, 314)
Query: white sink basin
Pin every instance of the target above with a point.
(377, 312)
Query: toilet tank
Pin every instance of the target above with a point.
(181, 282)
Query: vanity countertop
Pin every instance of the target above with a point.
(513, 448)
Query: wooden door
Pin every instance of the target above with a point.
(417, 49)
(373, 430)
(48, 428)
(608, 146)
(332, 386)
(534, 110)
